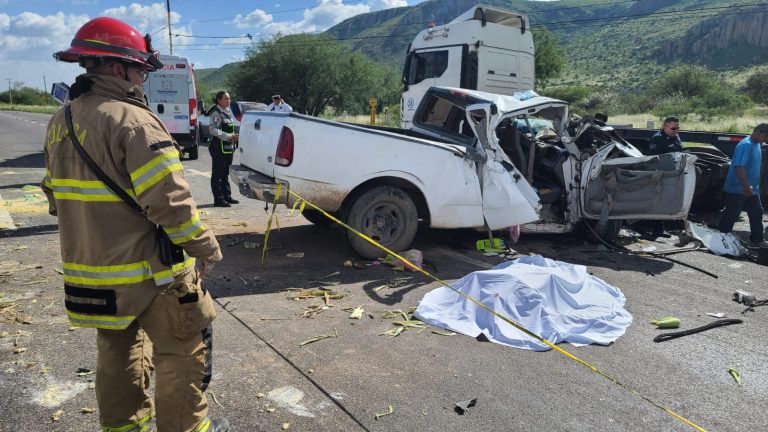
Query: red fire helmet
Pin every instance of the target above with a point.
(109, 37)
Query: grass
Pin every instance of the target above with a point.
(42, 109)
(736, 125)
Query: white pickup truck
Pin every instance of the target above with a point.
(470, 160)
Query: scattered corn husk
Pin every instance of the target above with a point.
(241, 223)
(34, 282)
(270, 409)
(19, 350)
(735, 374)
(313, 310)
(18, 248)
(295, 255)
(87, 410)
(444, 333)
(319, 338)
(320, 292)
(57, 415)
(260, 395)
(395, 313)
(356, 312)
(389, 411)
(286, 426)
(401, 326)
(213, 396)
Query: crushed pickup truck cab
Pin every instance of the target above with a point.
(470, 160)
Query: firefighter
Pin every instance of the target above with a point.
(222, 145)
(148, 313)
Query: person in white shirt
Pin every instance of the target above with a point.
(279, 105)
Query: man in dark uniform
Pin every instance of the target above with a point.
(664, 141)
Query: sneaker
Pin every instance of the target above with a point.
(219, 425)
(231, 200)
(221, 203)
(758, 245)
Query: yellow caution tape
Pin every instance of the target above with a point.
(505, 319)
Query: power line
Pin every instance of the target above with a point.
(559, 25)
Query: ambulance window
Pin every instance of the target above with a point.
(427, 65)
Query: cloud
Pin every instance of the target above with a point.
(256, 18)
(27, 35)
(153, 19)
(326, 14)
(386, 4)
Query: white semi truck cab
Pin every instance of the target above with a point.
(486, 48)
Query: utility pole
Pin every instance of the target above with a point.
(170, 36)
(10, 93)
(45, 89)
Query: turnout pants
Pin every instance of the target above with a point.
(174, 336)
(220, 172)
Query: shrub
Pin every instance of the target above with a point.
(757, 87)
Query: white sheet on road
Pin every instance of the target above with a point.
(558, 301)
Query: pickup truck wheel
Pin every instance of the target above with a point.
(608, 232)
(316, 217)
(386, 214)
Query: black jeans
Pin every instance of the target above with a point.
(220, 172)
(734, 204)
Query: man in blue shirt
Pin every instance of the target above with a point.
(742, 187)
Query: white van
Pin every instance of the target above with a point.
(486, 48)
(171, 94)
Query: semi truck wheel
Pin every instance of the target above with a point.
(386, 214)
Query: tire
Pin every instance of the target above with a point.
(316, 217)
(193, 152)
(386, 214)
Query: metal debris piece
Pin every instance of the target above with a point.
(389, 411)
(462, 407)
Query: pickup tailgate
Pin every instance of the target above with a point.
(259, 135)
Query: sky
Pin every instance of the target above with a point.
(209, 33)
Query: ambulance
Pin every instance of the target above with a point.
(171, 94)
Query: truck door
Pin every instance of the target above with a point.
(620, 184)
(426, 68)
(507, 197)
(503, 71)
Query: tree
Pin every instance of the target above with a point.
(693, 89)
(311, 73)
(757, 87)
(550, 60)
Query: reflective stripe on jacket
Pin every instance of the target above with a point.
(110, 259)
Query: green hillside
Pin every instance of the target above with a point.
(614, 44)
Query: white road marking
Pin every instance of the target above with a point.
(193, 171)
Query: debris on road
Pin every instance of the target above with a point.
(401, 326)
(251, 245)
(356, 312)
(319, 292)
(286, 426)
(444, 333)
(414, 256)
(462, 407)
(716, 314)
(319, 338)
(717, 242)
(295, 255)
(667, 323)
(735, 374)
(87, 410)
(389, 411)
(57, 415)
(241, 223)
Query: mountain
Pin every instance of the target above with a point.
(605, 42)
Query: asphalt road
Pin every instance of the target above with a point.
(263, 378)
